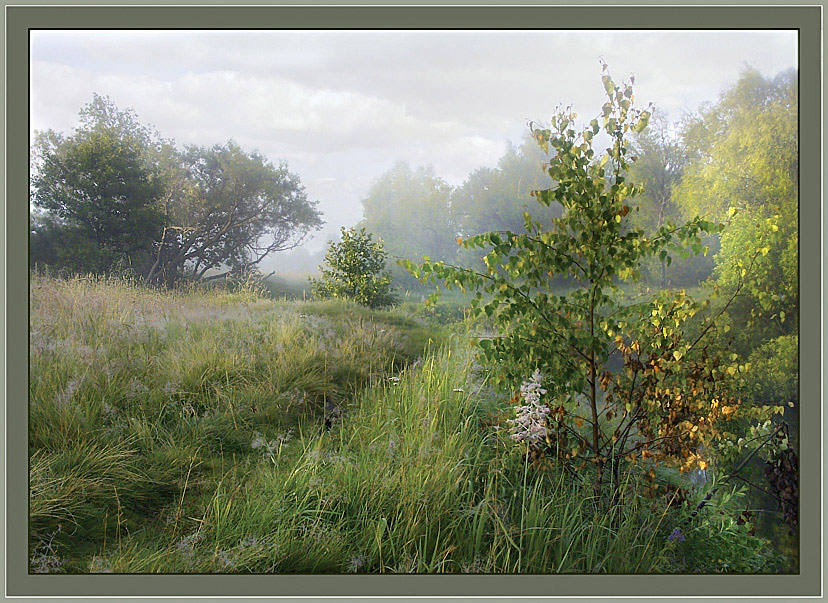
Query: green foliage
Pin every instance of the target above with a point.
(674, 393)
(354, 269)
(115, 194)
(744, 161)
(774, 374)
(722, 540)
(99, 191)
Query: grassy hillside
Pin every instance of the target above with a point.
(185, 432)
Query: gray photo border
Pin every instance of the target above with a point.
(19, 18)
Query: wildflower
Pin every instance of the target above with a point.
(676, 535)
(44, 559)
(225, 560)
(187, 544)
(531, 422)
(100, 565)
(136, 388)
(251, 542)
(356, 563)
(170, 388)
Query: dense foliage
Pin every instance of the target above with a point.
(744, 156)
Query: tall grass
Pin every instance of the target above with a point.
(183, 432)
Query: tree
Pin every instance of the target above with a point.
(659, 165)
(673, 393)
(411, 211)
(496, 198)
(115, 192)
(354, 268)
(98, 190)
(744, 161)
(230, 211)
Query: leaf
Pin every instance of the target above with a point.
(642, 122)
(609, 85)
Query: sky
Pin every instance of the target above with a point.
(341, 107)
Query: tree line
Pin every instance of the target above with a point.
(115, 195)
(738, 152)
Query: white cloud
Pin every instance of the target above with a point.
(342, 106)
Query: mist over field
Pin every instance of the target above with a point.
(414, 302)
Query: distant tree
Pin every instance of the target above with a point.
(96, 191)
(230, 210)
(661, 159)
(354, 268)
(411, 211)
(496, 198)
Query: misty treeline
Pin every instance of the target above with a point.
(739, 152)
(115, 196)
(733, 162)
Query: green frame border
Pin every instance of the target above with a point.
(807, 18)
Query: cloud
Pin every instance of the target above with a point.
(343, 106)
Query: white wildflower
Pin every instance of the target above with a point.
(531, 422)
(69, 392)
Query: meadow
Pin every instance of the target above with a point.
(223, 431)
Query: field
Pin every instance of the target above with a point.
(227, 431)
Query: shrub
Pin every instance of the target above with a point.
(774, 374)
(354, 268)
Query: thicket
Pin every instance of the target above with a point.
(604, 386)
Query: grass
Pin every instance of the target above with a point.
(183, 431)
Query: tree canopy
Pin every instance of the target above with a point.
(97, 192)
(410, 209)
(115, 192)
(744, 163)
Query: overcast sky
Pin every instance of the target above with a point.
(342, 107)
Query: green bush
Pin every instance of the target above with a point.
(774, 373)
(354, 268)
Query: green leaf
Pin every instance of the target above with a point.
(609, 85)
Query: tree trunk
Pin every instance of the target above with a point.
(593, 401)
